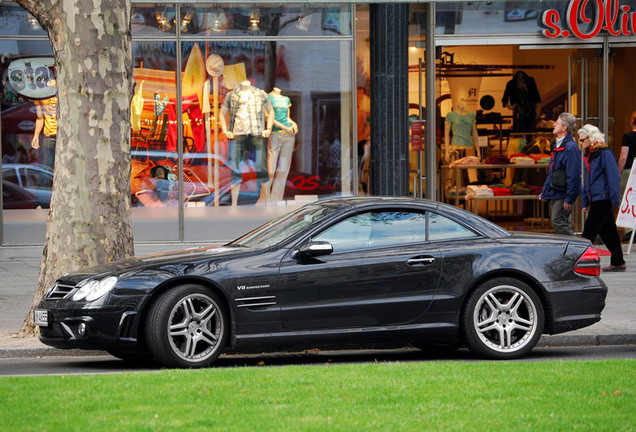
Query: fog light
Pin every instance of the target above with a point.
(81, 329)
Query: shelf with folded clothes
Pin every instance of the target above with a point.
(503, 190)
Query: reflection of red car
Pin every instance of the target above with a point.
(19, 119)
(15, 197)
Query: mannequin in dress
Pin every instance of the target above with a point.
(463, 126)
(281, 144)
(250, 123)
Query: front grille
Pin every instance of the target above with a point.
(59, 291)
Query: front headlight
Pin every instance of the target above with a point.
(95, 289)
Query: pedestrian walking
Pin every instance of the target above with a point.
(563, 183)
(601, 194)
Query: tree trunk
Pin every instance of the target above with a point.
(89, 219)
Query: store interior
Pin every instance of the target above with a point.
(511, 142)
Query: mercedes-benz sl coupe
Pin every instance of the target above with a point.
(348, 270)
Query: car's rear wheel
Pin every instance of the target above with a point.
(187, 327)
(502, 319)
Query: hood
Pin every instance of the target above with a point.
(155, 260)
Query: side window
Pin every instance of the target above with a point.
(376, 229)
(10, 175)
(442, 228)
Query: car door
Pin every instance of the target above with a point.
(382, 272)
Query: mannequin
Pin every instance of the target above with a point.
(137, 107)
(250, 122)
(463, 126)
(522, 96)
(281, 145)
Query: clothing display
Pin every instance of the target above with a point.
(189, 105)
(279, 158)
(461, 128)
(246, 105)
(248, 127)
(281, 106)
(522, 95)
(46, 123)
(281, 144)
(136, 108)
(48, 108)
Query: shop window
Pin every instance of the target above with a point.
(153, 20)
(265, 20)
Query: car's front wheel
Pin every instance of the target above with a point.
(187, 327)
(502, 319)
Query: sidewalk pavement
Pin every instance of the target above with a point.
(19, 270)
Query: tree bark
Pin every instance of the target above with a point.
(89, 219)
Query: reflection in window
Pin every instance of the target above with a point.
(153, 20)
(442, 228)
(288, 20)
(154, 126)
(376, 229)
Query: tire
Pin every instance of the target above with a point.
(502, 319)
(187, 327)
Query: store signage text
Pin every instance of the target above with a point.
(33, 77)
(610, 15)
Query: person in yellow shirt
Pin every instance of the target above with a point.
(46, 122)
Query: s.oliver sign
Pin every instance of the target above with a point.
(585, 19)
(32, 77)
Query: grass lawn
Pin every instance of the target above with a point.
(413, 396)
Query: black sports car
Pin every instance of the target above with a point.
(353, 270)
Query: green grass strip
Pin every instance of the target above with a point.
(417, 396)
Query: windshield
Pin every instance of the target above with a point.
(283, 227)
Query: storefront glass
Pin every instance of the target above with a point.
(28, 122)
(509, 17)
(297, 59)
(228, 160)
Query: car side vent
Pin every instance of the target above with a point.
(59, 291)
(251, 302)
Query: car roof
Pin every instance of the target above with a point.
(485, 226)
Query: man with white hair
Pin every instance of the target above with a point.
(563, 184)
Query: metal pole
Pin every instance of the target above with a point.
(417, 184)
(604, 100)
(179, 134)
(430, 142)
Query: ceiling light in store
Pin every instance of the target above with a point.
(304, 22)
(35, 25)
(255, 20)
(163, 22)
(217, 22)
(185, 21)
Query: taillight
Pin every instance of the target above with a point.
(589, 263)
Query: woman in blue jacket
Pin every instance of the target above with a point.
(601, 192)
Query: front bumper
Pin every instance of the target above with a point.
(110, 328)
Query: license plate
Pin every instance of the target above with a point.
(41, 317)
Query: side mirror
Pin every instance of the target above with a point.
(313, 249)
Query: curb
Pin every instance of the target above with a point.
(586, 340)
(546, 341)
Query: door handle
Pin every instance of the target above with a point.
(420, 261)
